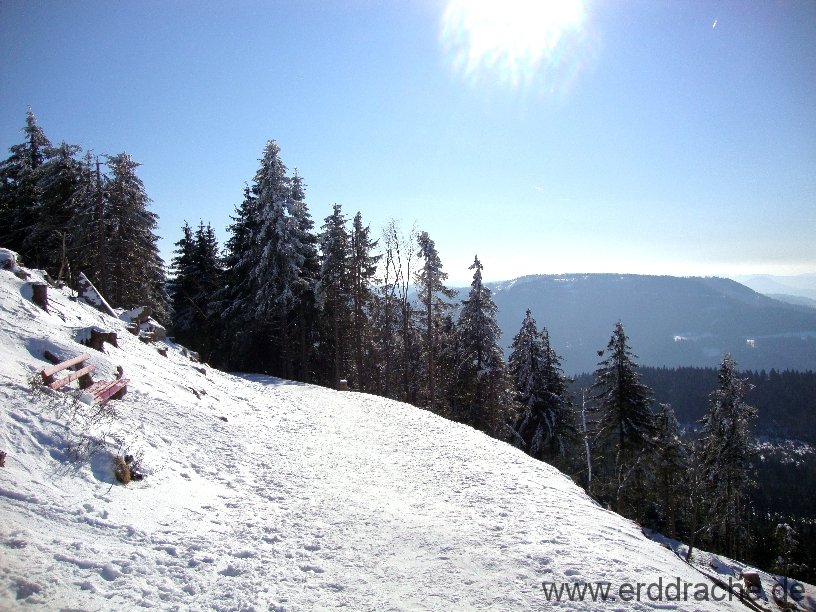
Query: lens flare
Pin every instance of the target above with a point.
(519, 43)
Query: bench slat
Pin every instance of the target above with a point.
(115, 387)
(61, 382)
(63, 365)
(99, 387)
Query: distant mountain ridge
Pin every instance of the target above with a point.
(802, 285)
(670, 321)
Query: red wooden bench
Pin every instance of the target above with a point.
(100, 391)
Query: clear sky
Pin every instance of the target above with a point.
(614, 136)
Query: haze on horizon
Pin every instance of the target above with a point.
(575, 136)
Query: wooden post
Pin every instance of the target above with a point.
(40, 295)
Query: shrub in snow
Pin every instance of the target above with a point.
(2, 458)
(89, 426)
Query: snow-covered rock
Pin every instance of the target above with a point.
(8, 261)
(260, 493)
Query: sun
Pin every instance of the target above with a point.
(513, 41)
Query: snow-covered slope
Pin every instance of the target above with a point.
(303, 498)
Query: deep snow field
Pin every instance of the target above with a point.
(303, 498)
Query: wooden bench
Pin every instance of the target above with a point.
(100, 391)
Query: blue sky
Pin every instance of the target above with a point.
(647, 137)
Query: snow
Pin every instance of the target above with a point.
(261, 493)
(8, 260)
(726, 570)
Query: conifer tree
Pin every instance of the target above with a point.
(334, 294)
(87, 229)
(197, 279)
(547, 424)
(20, 192)
(211, 280)
(432, 293)
(183, 287)
(727, 447)
(363, 268)
(266, 257)
(625, 427)
(243, 332)
(305, 312)
(483, 385)
(52, 236)
(136, 271)
(671, 467)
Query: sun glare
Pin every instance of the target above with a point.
(513, 41)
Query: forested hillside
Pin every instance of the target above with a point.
(786, 400)
(673, 322)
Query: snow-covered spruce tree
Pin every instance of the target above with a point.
(625, 425)
(334, 297)
(547, 426)
(305, 316)
(183, 288)
(197, 277)
(265, 260)
(363, 269)
(670, 468)
(53, 233)
(483, 388)
(135, 270)
(87, 230)
(37, 186)
(726, 448)
(786, 544)
(243, 334)
(20, 191)
(211, 280)
(433, 296)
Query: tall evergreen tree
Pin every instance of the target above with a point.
(197, 279)
(547, 424)
(136, 271)
(483, 385)
(670, 467)
(52, 234)
(625, 427)
(334, 294)
(266, 258)
(363, 268)
(20, 192)
(433, 295)
(87, 228)
(183, 287)
(243, 333)
(305, 313)
(727, 447)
